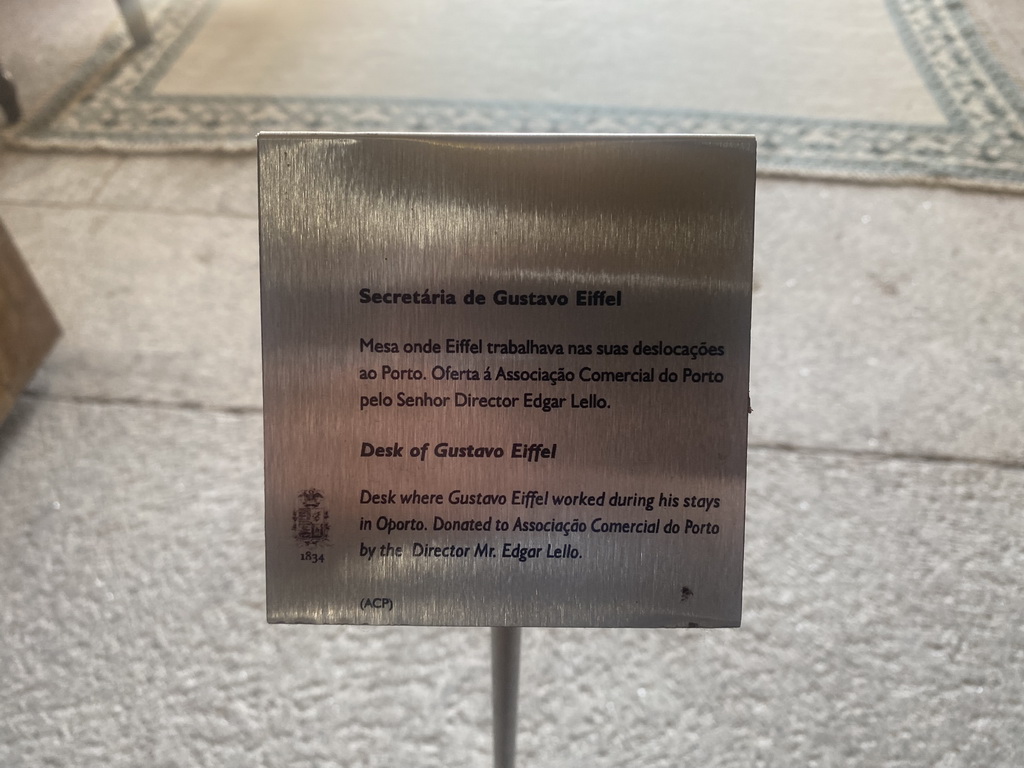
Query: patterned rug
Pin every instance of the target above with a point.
(906, 91)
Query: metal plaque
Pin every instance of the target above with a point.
(505, 378)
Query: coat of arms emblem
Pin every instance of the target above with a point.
(311, 519)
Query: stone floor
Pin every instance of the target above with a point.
(885, 544)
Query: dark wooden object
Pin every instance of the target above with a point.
(28, 329)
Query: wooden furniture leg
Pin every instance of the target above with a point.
(28, 328)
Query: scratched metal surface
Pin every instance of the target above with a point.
(666, 220)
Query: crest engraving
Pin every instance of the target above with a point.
(311, 519)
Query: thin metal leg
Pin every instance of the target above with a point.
(9, 97)
(135, 19)
(505, 680)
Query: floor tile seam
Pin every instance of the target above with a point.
(810, 451)
(87, 207)
(190, 406)
(106, 177)
(905, 456)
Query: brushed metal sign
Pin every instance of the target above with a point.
(505, 378)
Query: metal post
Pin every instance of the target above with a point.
(9, 97)
(505, 682)
(135, 19)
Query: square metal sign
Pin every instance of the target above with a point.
(505, 377)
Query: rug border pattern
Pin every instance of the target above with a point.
(112, 105)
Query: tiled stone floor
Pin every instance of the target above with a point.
(885, 543)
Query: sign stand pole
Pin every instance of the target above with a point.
(505, 682)
(596, 262)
